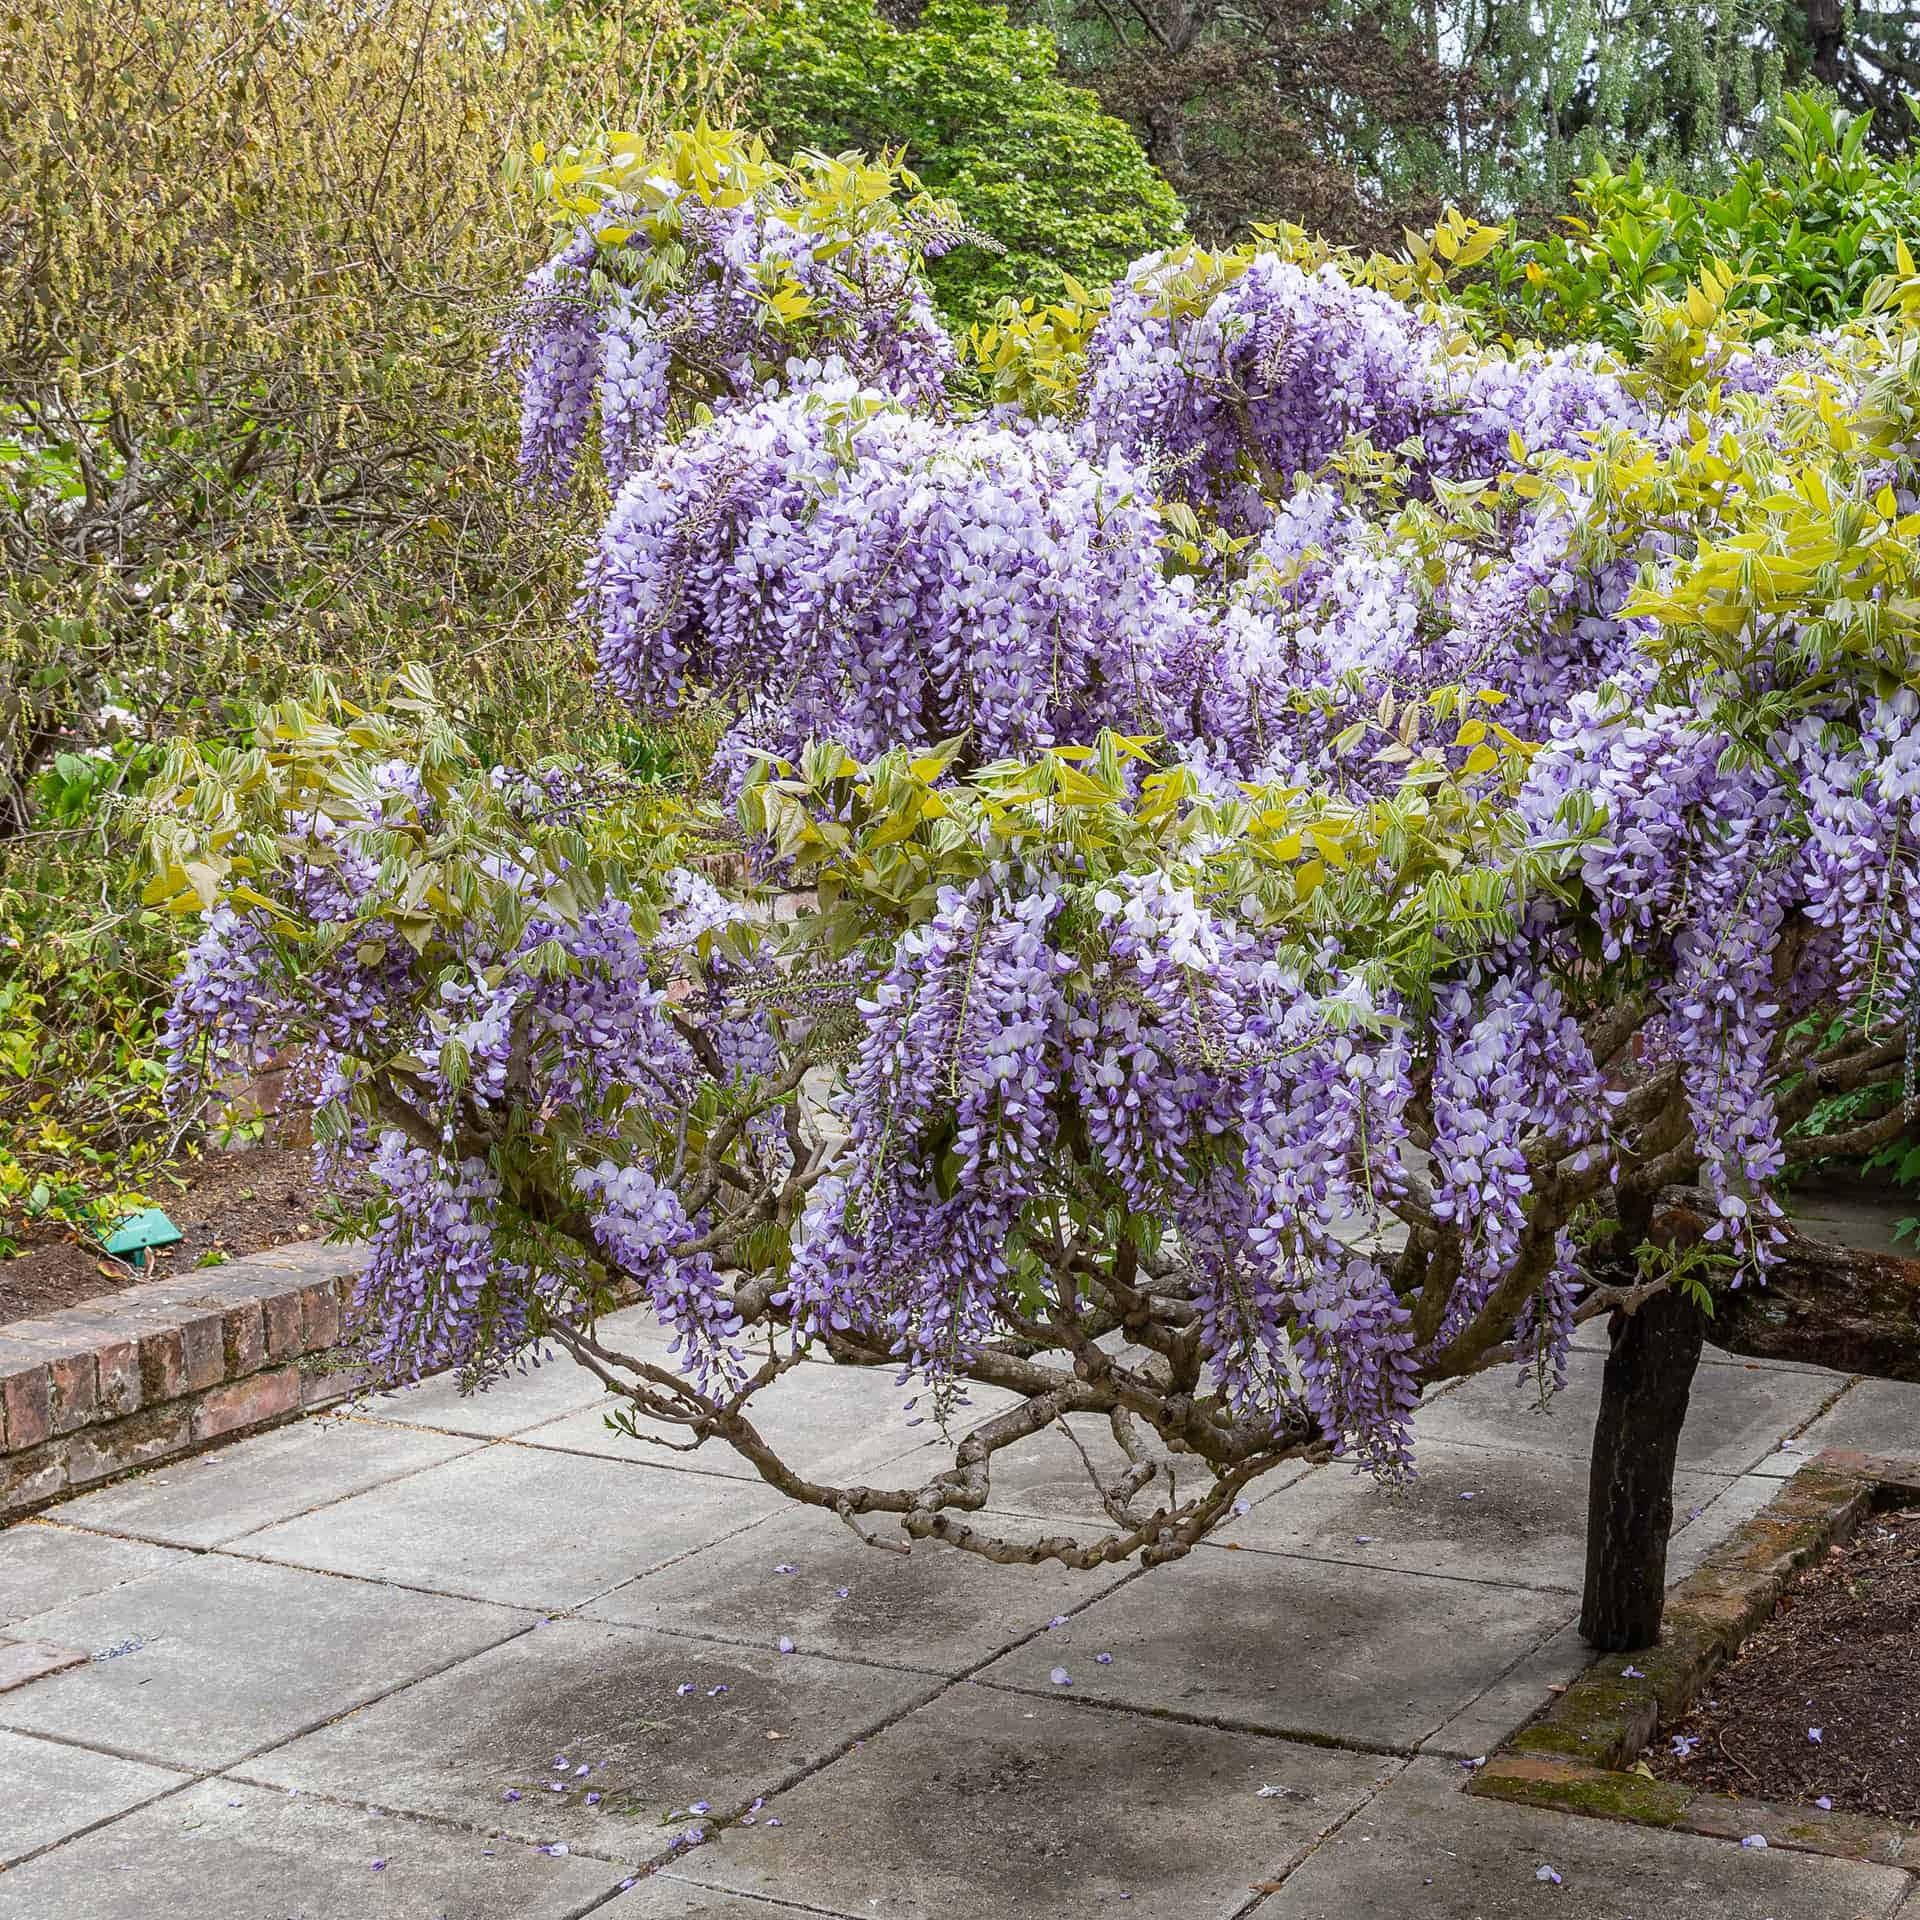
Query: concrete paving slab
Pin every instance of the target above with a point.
(48, 1791)
(1292, 1646)
(222, 1851)
(835, 1424)
(665, 1896)
(1424, 1847)
(558, 1385)
(212, 1498)
(1784, 1461)
(519, 1526)
(1518, 1696)
(1518, 1518)
(606, 1699)
(1044, 1476)
(1852, 1217)
(1872, 1416)
(42, 1565)
(203, 1663)
(934, 1608)
(1523, 1693)
(984, 1803)
(1736, 1417)
(24, 1661)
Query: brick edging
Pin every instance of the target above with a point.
(168, 1366)
(1576, 1757)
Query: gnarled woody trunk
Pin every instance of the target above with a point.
(1643, 1404)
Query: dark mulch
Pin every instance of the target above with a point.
(227, 1203)
(1841, 1654)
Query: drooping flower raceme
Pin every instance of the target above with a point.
(854, 572)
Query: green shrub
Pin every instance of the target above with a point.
(1032, 164)
(1806, 229)
(252, 268)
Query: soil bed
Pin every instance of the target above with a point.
(1841, 1655)
(228, 1203)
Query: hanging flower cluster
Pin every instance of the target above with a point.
(847, 570)
(701, 274)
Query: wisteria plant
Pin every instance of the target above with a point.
(1224, 905)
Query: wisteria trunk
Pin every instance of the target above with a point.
(1643, 1405)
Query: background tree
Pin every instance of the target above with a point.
(1357, 119)
(1057, 186)
(250, 275)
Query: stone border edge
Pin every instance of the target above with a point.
(1575, 1757)
(168, 1367)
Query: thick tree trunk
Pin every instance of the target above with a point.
(1643, 1402)
(1827, 35)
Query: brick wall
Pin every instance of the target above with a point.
(168, 1366)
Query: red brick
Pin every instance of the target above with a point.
(321, 1385)
(136, 1441)
(280, 1315)
(203, 1346)
(163, 1365)
(74, 1394)
(30, 1478)
(118, 1364)
(67, 1353)
(26, 1398)
(246, 1403)
(243, 1337)
(319, 1315)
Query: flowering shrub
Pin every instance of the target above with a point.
(1283, 870)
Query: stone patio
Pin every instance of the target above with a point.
(435, 1659)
